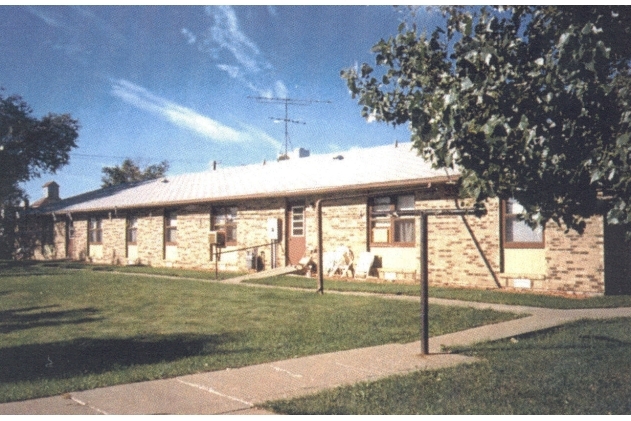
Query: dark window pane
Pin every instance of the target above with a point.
(404, 231)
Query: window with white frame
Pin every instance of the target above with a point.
(392, 220)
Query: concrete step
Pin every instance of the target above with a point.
(286, 270)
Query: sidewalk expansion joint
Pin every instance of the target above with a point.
(80, 402)
(213, 391)
(282, 370)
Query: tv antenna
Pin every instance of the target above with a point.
(286, 120)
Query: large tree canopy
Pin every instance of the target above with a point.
(30, 146)
(129, 171)
(529, 102)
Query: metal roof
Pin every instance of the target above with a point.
(353, 170)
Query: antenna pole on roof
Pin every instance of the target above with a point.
(287, 102)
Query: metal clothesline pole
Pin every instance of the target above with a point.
(424, 246)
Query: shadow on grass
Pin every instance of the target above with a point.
(85, 356)
(581, 341)
(31, 317)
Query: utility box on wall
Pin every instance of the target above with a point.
(217, 238)
(273, 229)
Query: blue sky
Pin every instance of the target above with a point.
(176, 83)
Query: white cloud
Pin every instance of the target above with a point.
(190, 37)
(281, 90)
(233, 71)
(181, 116)
(49, 17)
(244, 60)
(257, 135)
(228, 36)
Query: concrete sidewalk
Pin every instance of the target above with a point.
(239, 391)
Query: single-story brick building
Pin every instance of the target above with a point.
(368, 198)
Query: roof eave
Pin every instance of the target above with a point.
(369, 188)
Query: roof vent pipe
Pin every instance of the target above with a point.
(214, 165)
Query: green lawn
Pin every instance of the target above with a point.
(64, 329)
(581, 368)
(63, 266)
(465, 294)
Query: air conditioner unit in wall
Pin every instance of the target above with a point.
(217, 238)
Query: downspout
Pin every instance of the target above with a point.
(320, 289)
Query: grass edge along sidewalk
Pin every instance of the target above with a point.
(492, 296)
(68, 330)
(577, 368)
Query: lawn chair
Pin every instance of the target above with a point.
(364, 264)
(342, 261)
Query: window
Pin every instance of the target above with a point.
(392, 220)
(95, 232)
(297, 221)
(132, 230)
(517, 234)
(170, 227)
(225, 219)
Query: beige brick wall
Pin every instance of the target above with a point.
(150, 239)
(193, 247)
(463, 251)
(252, 230)
(113, 240)
(576, 262)
(344, 223)
(80, 242)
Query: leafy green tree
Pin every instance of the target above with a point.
(29, 147)
(528, 102)
(129, 171)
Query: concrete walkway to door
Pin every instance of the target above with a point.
(240, 391)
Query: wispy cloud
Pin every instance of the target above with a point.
(48, 16)
(225, 34)
(236, 54)
(190, 37)
(259, 136)
(181, 116)
(187, 118)
(76, 27)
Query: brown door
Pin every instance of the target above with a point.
(297, 233)
(70, 240)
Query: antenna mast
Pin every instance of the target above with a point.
(287, 102)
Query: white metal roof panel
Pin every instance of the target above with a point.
(349, 170)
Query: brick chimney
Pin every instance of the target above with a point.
(50, 195)
(51, 191)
